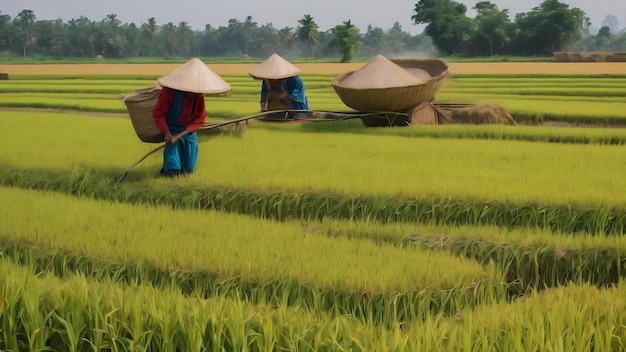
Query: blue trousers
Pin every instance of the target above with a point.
(181, 156)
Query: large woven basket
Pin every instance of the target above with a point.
(395, 98)
(140, 104)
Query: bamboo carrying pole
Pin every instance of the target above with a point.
(207, 127)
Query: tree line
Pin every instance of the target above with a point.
(82, 37)
(551, 26)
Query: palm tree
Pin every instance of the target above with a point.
(149, 30)
(308, 33)
(25, 20)
(183, 31)
(285, 37)
(396, 38)
(29, 43)
(346, 39)
(168, 38)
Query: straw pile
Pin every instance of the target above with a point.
(424, 114)
(473, 114)
(596, 56)
(235, 129)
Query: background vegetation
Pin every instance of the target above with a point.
(551, 26)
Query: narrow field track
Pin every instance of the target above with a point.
(587, 68)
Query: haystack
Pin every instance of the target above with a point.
(478, 114)
(424, 114)
(616, 57)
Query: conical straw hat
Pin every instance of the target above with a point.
(275, 67)
(194, 76)
(381, 72)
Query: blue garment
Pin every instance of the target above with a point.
(182, 155)
(294, 87)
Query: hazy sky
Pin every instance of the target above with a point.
(281, 13)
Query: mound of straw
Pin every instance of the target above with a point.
(473, 114)
(596, 56)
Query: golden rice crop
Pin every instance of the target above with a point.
(44, 312)
(330, 68)
(230, 246)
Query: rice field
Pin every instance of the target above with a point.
(321, 236)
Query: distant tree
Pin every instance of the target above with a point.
(167, 37)
(307, 32)
(25, 20)
(51, 37)
(149, 31)
(492, 29)
(268, 40)
(396, 38)
(373, 40)
(446, 24)
(549, 27)
(286, 38)
(345, 37)
(619, 44)
(132, 43)
(209, 42)
(233, 37)
(248, 29)
(6, 29)
(112, 41)
(611, 22)
(604, 39)
(184, 34)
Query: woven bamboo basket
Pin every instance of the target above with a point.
(395, 98)
(140, 104)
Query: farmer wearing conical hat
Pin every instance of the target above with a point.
(180, 112)
(282, 87)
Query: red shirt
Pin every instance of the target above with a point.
(192, 116)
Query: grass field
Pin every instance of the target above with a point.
(316, 236)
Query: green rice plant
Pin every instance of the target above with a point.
(565, 135)
(567, 98)
(319, 206)
(565, 318)
(33, 320)
(503, 90)
(251, 252)
(10, 329)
